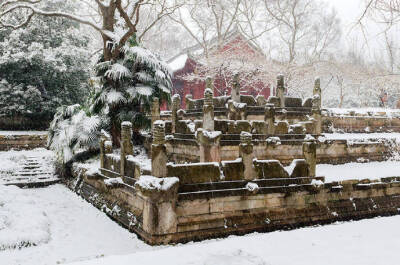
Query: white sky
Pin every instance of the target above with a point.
(349, 12)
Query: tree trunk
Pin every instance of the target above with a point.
(115, 134)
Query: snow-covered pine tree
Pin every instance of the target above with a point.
(129, 85)
(49, 54)
(122, 91)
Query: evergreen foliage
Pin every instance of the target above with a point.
(122, 91)
(47, 60)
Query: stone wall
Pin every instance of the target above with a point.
(363, 124)
(208, 210)
(174, 203)
(330, 152)
(25, 122)
(21, 142)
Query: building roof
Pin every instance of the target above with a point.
(178, 62)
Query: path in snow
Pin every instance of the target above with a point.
(65, 228)
(27, 168)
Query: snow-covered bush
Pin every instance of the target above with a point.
(15, 100)
(128, 86)
(47, 61)
(72, 130)
(123, 91)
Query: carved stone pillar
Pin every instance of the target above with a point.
(316, 114)
(310, 155)
(159, 204)
(189, 101)
(155, 111)
(126, 144)
(261, 101)
(176, 102)
(235, 93)
(210, 148)
(280, 90)
(208, 110)
(103, 139)
(246, 153)
(317, 91)
(159, 151)
(270, 118)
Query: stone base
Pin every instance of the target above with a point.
(22, 142)
(211, 214)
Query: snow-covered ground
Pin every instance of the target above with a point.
(53, 225)
(364, 112)
(360, 136)
(370, 170)
(64, 228)
(23, 132)
(366, 242)
(67, 229)
(11, 161)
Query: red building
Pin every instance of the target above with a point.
(236, 54)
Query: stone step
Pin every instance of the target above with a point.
(32, 173)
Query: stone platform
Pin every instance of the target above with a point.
(22, 140)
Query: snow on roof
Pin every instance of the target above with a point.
(178, 62)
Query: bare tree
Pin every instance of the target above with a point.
(305, 27)
(115, 20)
(383, 11)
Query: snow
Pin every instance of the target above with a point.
(273, 140)
(309, 137)
(178, 63)
(113, 181)
(160, 123)
(251, 186)
(239, 105)
(209, 134)
(362, 136)
(289, 169)
(370, 170)
(208, 91)
(64, 227)
(141, 158)
(153, 183)
(126, 123)
(11, 161)
(366, 242)
(21, 223)
(364, 112)
(192, 126)
(92, 166)
(23, 132)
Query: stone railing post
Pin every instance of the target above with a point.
(235, 93)
(189, 101)
(126, 144)
(155, 111)
(246, 153)
(103, 139)
(210, 83)
(261, 101)
(159, 205)
(210, 148)
(280, 90)
(270, 118)
(158, 151)
(316, 114)
(310, 155)
(176, 102)
(208, 110)
(317, 91)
